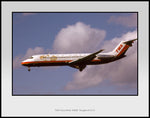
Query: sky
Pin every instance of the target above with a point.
(42, 33)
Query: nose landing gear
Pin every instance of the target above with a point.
(29, 69)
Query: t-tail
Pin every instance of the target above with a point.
(121, 49)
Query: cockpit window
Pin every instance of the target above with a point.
(31, 57)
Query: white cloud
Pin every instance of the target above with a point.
(17, 61)
(87, 78)
(128, 21)
(115, 41)
(78, 38)
(120, 73)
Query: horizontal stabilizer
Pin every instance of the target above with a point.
(129, 42)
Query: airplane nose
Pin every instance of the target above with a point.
(26, 62)
(23, 63)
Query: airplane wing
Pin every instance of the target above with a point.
(86, 58)
(81, 62)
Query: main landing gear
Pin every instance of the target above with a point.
(29, 69)
(81, 67)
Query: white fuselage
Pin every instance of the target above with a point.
(58, 59)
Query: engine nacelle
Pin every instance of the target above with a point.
(105, 56)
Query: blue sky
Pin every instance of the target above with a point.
(35, 33)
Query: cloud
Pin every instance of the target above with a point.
(87, 78)
(128, 21)
(78, 38)
(121, 73)
(18, 59)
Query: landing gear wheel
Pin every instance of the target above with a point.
(29, 69)
(81, 68)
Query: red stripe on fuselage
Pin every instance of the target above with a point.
(51, 62)
(39, 62)
(124, 49)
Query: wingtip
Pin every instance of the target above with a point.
(101, 50)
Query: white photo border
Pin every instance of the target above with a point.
(75, 105)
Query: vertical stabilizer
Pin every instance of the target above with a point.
(123, 46)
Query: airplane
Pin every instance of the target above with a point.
(80, 60)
